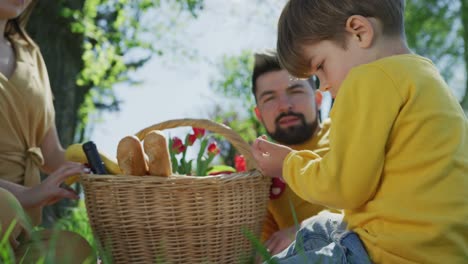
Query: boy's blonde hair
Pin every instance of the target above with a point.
(305, 22)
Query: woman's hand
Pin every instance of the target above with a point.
(51, 189)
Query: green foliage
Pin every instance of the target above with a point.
(464, 33)
(433, 30)
(6, 252)
(76, 221)
(236, 75)
(235, 85)
(220, 169)
(261, 250)
(116, 41)
(437, 29)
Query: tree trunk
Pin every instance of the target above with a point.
(464, 18)
(62, 51)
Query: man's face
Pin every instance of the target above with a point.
(286, 107)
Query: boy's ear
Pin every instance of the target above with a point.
(257, 114)
(361, 29)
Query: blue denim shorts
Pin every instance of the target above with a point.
(324, 239)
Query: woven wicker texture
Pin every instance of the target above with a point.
(179, 219)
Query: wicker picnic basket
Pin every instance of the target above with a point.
(179, 219)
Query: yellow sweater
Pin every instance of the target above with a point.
(279, 215)
(398, 163)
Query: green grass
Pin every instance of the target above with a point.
(6, 252)
(76, 221)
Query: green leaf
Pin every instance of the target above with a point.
(258, 246)
(220, 168)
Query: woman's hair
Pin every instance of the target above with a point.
(17, 25)
(305, 22)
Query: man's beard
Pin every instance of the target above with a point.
(293, 135)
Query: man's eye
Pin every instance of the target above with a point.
(297, 91)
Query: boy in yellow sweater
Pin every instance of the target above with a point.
(398, 159)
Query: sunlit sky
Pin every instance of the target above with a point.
(177, 87)
(174, 86)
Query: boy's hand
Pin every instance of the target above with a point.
(50, 190)
(281, 240)
(269, 156)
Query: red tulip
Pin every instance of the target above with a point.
(191, 139)
(213, 149)
(199, 132)
(177, 145)
(240, 163)
(181, 149)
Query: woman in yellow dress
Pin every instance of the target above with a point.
(29, 144)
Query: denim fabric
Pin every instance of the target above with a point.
(324, 239)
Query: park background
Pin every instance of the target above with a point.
(118, 66)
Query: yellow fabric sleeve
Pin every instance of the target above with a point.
(346, 177)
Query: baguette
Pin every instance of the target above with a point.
(130, 157)
(159, 161)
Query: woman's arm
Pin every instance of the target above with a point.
(16, 189)
(50, 190)
(52, 150)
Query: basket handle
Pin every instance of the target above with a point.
(235, 139)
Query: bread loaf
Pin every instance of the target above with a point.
(131, 157)
(159, 161)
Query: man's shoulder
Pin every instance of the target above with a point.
(326, 124)
(325, 129)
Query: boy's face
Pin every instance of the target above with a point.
(286, 107)
(331, 63)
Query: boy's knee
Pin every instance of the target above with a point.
(10, 211)
(74, 245)
(318, 231)
(61, 247)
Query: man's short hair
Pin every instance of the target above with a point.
(268, 62)
(305, 22)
